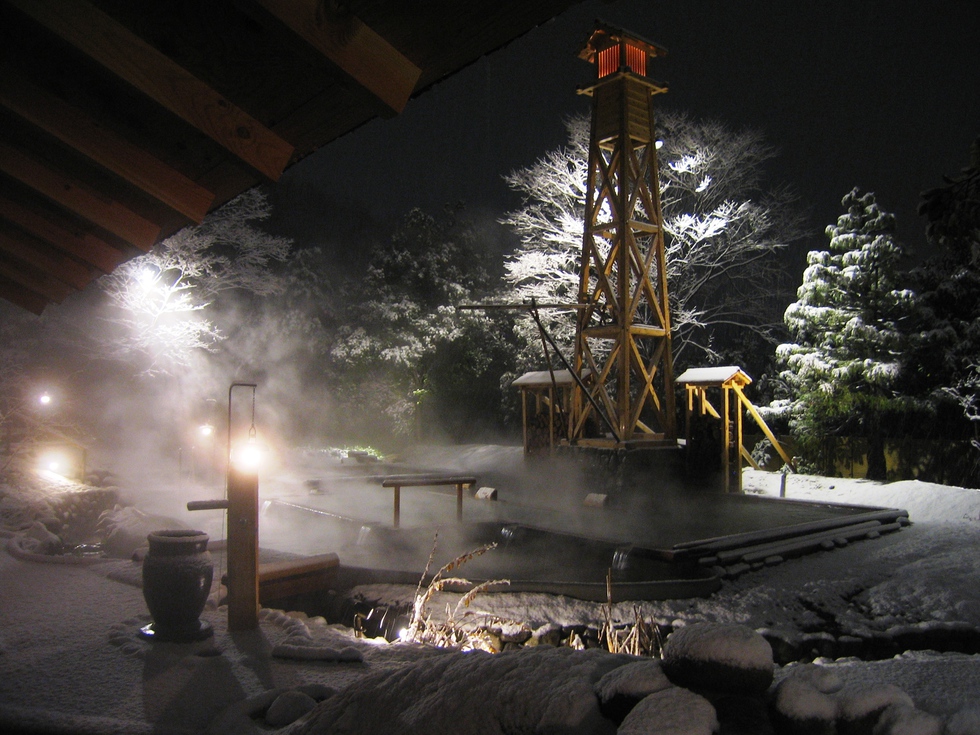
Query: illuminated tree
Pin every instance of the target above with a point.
(162, 300)
(850, 327)
(723, 233)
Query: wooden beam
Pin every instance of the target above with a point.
(64, 269)
(109, 150)
(85, 246)
(43, 285)
(129, 57)
(22, 297)
(355, 48)
(76, 197)
(761, 422)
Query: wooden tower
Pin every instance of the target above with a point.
(623, 331)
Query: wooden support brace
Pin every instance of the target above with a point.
(765, 428)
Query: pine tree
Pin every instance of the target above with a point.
(850, 329)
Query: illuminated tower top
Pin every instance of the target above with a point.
(613, 50)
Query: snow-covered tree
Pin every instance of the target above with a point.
(723, 232)
(849, 327)
(402, 320)
(945, 362)
(161, 300)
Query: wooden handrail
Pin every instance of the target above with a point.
(399, 481)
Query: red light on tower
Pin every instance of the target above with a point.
(613, 50)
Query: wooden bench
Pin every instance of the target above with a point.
(399, 481)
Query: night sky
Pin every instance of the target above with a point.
(881, 94)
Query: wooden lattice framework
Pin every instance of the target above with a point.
(623, 332)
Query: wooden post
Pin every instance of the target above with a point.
(524, 418)
(397, 512)
(725, 437)
(459, 502)
(243, 550)
(738, 443)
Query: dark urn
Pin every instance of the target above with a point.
(177, 574)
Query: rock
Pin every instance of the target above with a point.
(547, 635)
(621, 689)
(965, 722)
(512, 632)
(47, 542)
(799, 708)
(859, 708)
(288, 707)
(719, 656)
(905, 719)
(673, 711)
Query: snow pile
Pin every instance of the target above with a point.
(808, 700)
(719, 656)
(671, 712)
(532, 690)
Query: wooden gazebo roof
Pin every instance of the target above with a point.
(122, 122)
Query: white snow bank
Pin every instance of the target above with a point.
(925, 501)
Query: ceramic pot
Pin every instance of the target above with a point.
(177, 574)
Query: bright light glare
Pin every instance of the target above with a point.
(206, 430)
(54, 462)
(248, 457)
(146, 277)
(44, 399)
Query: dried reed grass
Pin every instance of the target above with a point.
(640, 638)
(449, 633)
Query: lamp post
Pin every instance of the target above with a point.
(242, 504)
(243, 530)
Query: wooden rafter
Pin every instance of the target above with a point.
(78, 130)
(77, 197)
(356, 49)
(65, 269)
(22, 297)
(86, 247)
(171, 109)
(35, 281)
(132, 59)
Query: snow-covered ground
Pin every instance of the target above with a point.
(69, 661)
(923, 579)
